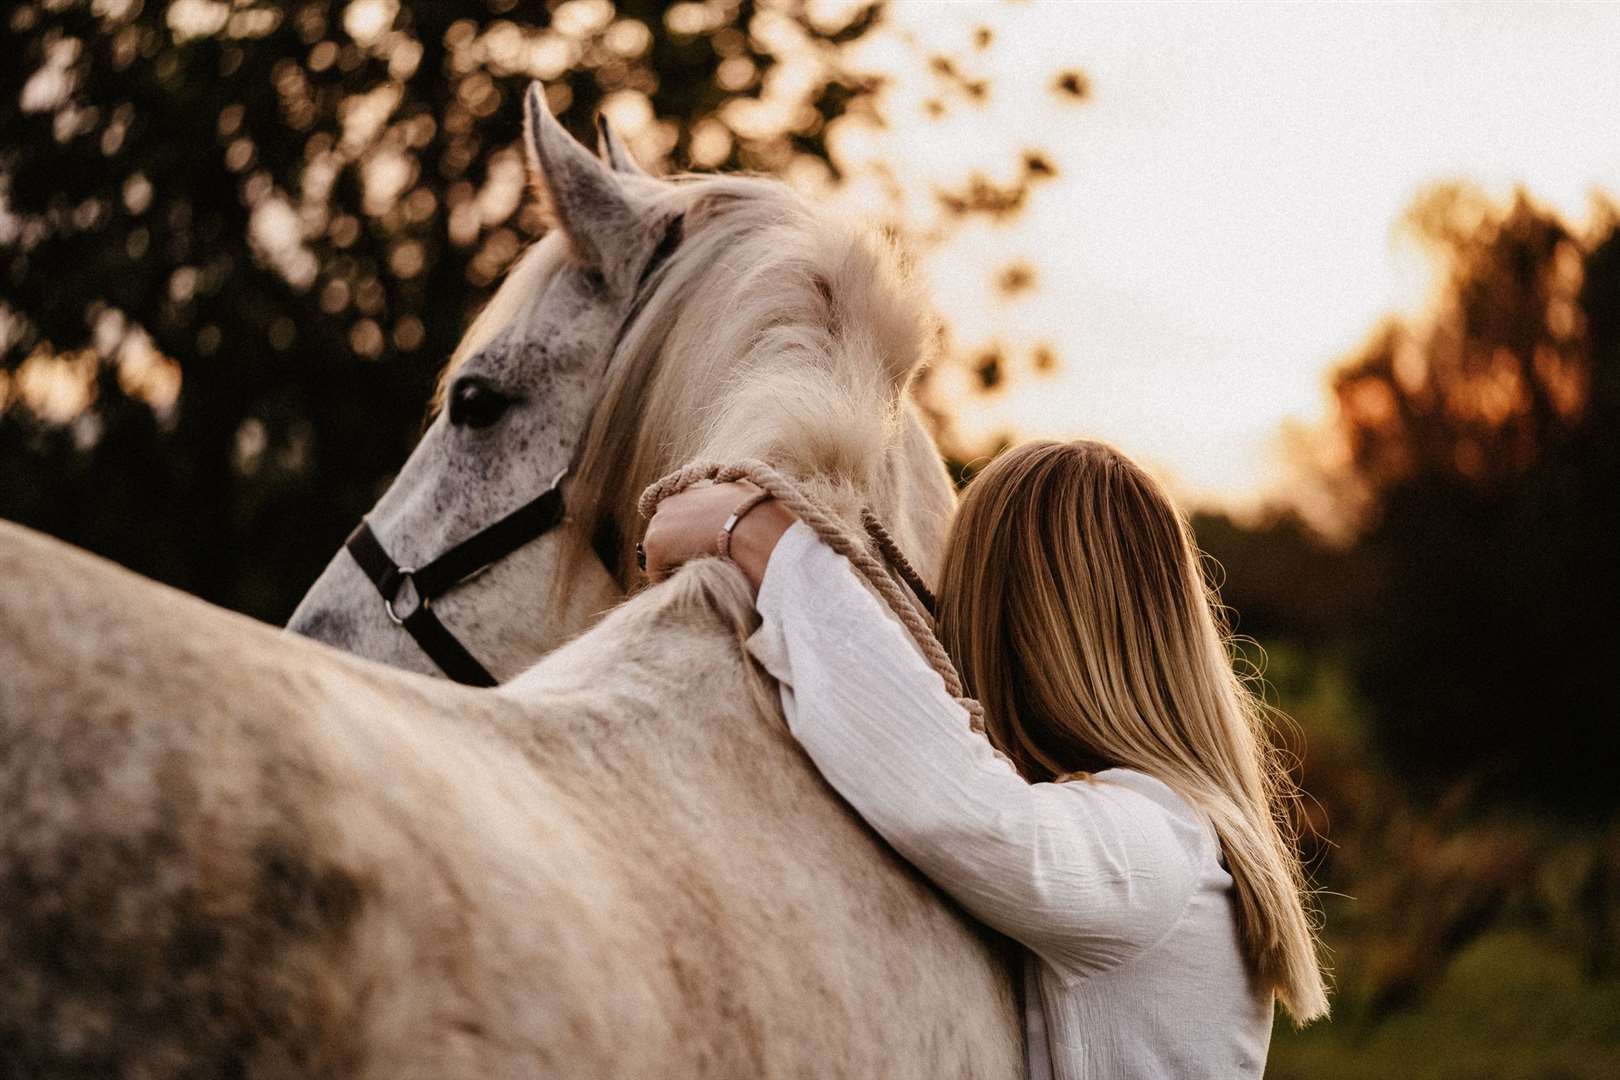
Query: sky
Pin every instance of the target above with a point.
(1224, 226)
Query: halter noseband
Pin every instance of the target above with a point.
(489, 545)
(461, 563)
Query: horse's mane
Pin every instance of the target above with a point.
(771, 332)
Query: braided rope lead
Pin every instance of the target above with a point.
(842, 540)
(897, 559)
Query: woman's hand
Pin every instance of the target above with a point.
(687, 526)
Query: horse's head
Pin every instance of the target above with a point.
(514, 404)
(660, 320)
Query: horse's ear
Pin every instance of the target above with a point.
(611, 150)
(577, 193)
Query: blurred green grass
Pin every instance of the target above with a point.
(1511, 1005)
(1470, 938)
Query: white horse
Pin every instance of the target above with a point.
(228, 850)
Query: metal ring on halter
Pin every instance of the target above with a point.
(400, 579)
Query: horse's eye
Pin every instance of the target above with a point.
(476, 404)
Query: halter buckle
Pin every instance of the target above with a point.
(400, 577)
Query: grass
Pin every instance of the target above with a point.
(1512, 1007)
(1479, 910)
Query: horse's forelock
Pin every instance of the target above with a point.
(769, 332)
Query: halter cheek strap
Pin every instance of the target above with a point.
(461, 563)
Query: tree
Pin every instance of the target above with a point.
(237, 239)
(1482, 443)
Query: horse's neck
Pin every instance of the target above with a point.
(675, 651)
(920, 495)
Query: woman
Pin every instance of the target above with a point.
(1122, 820)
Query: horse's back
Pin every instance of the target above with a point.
(228, 850)
(224, 850)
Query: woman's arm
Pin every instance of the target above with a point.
(1085, 873)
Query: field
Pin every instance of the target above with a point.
(1469, 942)
(1512, 1006)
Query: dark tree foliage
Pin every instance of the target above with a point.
(238, 239)
(1484, 443)
(1279, 579)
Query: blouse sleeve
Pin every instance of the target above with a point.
(1085, 873)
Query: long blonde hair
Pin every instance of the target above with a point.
(1074, 603)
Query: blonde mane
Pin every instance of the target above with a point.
(771, 332)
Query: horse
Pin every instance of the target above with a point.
(233, 850)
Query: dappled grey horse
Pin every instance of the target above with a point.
(229, 850)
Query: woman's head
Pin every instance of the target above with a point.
(1074, 602)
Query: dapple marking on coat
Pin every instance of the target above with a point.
(231, 851)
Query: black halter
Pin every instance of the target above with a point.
(472, 556)
(461, 563)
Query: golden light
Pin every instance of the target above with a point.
(1223, 223)
(366, 21)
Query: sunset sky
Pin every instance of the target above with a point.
(1225, 223)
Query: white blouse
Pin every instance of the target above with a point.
(1115, 884)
